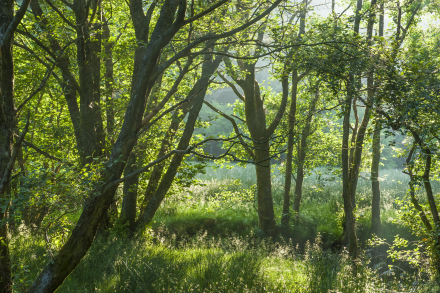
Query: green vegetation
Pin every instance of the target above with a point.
(206, 239)
(116, 115)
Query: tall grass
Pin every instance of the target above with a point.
(206, 239)
(154, 263)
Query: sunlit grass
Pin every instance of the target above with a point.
(206, 239)
(155, 263)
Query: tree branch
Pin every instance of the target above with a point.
(205, 12)
(234, 125)
(281, 109)
(61, 15)
(171, 92)
(8, 171)
(210, 36)
(41, 152)
(15, 21)
(231, 85)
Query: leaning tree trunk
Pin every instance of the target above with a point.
(430, 196)
(200, 88)
(71, 253)
(165, 147)
(128, 210)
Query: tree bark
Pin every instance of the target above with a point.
(412, 192)
(350, 231)
(95, 66)
(87, 103)
(200, 88)
(71, 253)
(290, 141)
(426, 177)
(302, 155)
(256, 122)
(109, 79)
(157, 172)
(292, 120)
(128, 211)
(7, 127)
(375, 184)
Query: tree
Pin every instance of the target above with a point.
(172, 18)
(8, 126)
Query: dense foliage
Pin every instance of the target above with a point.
(122, 124)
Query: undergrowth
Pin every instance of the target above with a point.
(206, 239)
(155, 263)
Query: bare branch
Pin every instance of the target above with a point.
(145, 127)
(43, 82)
(171, 92)
(37, 90)
(67, 3)
(185, 51)
(234, 125)
(205, 12)
(231, 85)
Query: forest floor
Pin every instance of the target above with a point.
(205, 239)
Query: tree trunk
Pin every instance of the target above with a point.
(256, 123)
(266, 216)
(290, 141)
(375, 184)
(71, 253)
(292, 120)
(109, 79)
(7, 127)
(350, 231)
(302, 155)
(426, 178)
(157, 172)
(200, 88)
(95, 66)
(412, 192)
(128, 211)
(87, 103)
(429, 194)
(130, 190)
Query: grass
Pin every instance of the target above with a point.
(233, 264)
(224, 203)
(206, 239)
